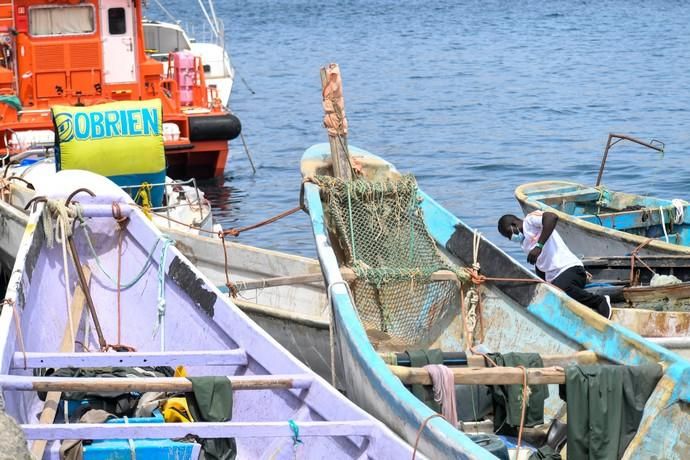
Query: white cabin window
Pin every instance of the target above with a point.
(61, 20)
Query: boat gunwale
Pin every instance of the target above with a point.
(635, 240)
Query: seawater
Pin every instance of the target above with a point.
(473, 97)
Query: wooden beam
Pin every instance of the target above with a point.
(347, 273)
(161, 384)
(237, 357)
(484, 375)
(335, 120)
(67, 345)
(250, 429)
(580, 357)
(652, 261)
(279, 281)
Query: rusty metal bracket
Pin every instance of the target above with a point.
(654, 144)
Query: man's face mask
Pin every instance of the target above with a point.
(517, 235)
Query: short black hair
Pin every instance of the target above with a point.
(504, 224)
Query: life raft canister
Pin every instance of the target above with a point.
(122, 141)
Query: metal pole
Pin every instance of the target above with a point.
(625, 137)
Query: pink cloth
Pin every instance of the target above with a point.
(444, 390)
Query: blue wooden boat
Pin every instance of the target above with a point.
(598, 222)
(518, 316)
(67, 307)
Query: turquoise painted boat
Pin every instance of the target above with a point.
(598, 222)
(517, 317)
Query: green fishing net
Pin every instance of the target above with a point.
(381, 230)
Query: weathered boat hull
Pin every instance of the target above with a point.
(588, 239)
(525, 316)
(294, 314)
(195, 325)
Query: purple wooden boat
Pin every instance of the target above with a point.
(167, 314)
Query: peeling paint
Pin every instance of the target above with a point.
(195, 287)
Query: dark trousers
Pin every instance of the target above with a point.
(572, 282)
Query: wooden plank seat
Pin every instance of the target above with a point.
(143, 384)
(463, 359)
(484, 375)
(347, 273)
(236, 357)
(102, 431)
(578, 196)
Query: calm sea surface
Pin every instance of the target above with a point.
(473, 97)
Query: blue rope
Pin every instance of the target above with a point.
(295, 433)
(136, 278)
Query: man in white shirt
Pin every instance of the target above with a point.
(553, 260)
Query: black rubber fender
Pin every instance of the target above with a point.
(218, 127)
(492, 443)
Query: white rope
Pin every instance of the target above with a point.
(160, 325)
(57, 226)
(172, 18)
(679, 207)
(476, 239)
(208, 19)
(663, 223)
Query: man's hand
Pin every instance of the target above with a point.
(534, 255)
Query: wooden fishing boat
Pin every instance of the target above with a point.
(86, 53)
(185, 208)
(595, 221)
(654, 307)
(281, 292)
(118, 284)
(526, 315)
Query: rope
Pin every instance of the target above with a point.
(18, 328)
(160, 325)
(419, 433)
(122, 224)
(113, 280)
(57, 227)
(295, 434)
(232, 289)
(237, 231)
(679, 208)
(352, 230)
(144, 193)
(634, 255)
(663, 223)
(525, 397)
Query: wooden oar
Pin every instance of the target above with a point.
(66, 346)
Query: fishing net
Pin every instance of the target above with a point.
(380, 227)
